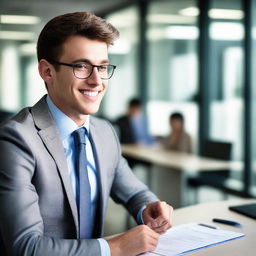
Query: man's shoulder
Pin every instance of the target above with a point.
(19, 117)
(101, 126)
(99, 121)
(18, 122)
(23, 117)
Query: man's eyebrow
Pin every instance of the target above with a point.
(105, 61)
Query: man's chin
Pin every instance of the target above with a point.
(91, 111)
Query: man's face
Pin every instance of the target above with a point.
(76, 97)
(134, 110)
(176, 125)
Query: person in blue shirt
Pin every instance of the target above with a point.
(133, 126)
(59, 164)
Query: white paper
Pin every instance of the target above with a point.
(185, 238)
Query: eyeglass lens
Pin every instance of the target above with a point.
(85, 70)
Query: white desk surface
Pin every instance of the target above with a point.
(177, 160)
(203, 213)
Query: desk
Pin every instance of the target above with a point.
(245, 246)
(177, 160)
(171, 168)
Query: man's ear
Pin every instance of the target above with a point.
(46, 71)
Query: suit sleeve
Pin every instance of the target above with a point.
(21, 223)
(127, 189)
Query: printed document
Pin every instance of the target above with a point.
(186, 238)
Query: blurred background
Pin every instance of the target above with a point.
(194, 57)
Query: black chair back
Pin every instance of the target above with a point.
(217, 149)
(216, 179)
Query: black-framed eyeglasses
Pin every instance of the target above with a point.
(84, 70)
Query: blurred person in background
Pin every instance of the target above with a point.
(178, 139)
(133, 126)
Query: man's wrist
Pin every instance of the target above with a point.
(114, 247)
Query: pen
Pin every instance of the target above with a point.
(207, 226)
(227, 222)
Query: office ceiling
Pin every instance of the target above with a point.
(47, 9)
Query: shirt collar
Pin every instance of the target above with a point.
(65, 125)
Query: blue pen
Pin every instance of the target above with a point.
(227, 222)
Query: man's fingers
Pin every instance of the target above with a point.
(158, 216)
(152, 224)
(157, 223)
(162, 229)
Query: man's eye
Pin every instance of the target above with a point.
(103, 68)
(82, 66)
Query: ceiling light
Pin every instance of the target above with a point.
(226, 14)
(226, 31)
(190, 11)
(173, 32)
(17, 35)
(182, 32)
(170, 19)
(19, 19)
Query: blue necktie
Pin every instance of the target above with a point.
(83, 188)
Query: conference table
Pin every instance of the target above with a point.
(204, 213)
(168, 170)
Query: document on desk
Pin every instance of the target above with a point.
(186, 238)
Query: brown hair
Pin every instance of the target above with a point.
(60, 28)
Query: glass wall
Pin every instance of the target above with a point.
(226, 77)
(9, 76)
(173, 64)
(172, 68)
(124, 54)
(253, 98)
(20, 83)
(20, 25)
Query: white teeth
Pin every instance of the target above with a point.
(90, 93)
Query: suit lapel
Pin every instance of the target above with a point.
(49, 135)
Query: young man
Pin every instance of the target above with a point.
(53, 200)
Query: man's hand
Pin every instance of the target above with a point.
(133, 242)
(158, 216)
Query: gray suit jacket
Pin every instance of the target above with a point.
(38, 213)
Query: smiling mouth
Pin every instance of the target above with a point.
(90, 93)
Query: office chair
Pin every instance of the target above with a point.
(215, 179)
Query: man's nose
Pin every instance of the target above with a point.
(95, 76)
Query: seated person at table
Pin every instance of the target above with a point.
(132, 127)
(178, 139)
(59, 164)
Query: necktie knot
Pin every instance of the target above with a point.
(79, 135)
